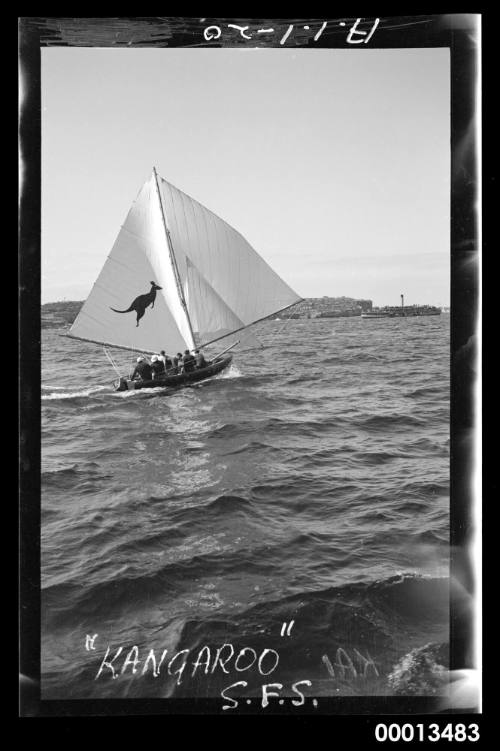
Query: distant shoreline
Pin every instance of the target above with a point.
(63, 312)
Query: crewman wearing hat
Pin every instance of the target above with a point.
(157, 367)
(142, 371)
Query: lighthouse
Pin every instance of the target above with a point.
(402, 305)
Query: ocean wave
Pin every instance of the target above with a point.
(278, 426)
(362, 620)
(85, 475)
(251, 446)
(229, 503)
(388, 422)
(363, 357)
(405, 591)
(310, 377)
(377, 457)
(190, 513)
(437, 390)
(286, 488)
(422, 672)
(232, 372)
(426, 489)
(100, 598)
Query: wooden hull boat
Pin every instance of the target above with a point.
(180, 379)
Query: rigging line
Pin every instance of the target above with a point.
(278, 333)
(111, 361)
(131, 366)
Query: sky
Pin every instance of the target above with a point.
(334, 164)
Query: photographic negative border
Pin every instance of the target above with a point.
(461, 35)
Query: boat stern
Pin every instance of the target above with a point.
(124, 384)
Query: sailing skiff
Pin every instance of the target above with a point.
(217, 365)
(178, 278)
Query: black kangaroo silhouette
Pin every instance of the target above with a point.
(141, 303)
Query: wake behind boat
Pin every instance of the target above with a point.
(178, 278)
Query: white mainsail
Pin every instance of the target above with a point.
(203, 275)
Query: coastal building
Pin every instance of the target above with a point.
(330, 307)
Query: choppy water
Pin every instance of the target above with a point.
(309, 483)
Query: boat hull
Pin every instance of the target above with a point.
(182, 379)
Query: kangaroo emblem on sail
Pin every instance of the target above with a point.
(141, 303)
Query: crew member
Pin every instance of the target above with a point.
(177, 362)
(188, 362)
(142, 371)
(167, 362)
(200, 359)
(157, 367)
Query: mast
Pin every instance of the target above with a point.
(173, 260)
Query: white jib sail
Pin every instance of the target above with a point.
(139, 258)
(228, 286)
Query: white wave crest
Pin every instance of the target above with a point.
(72, 394)
(233, 372)
(137, 392)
